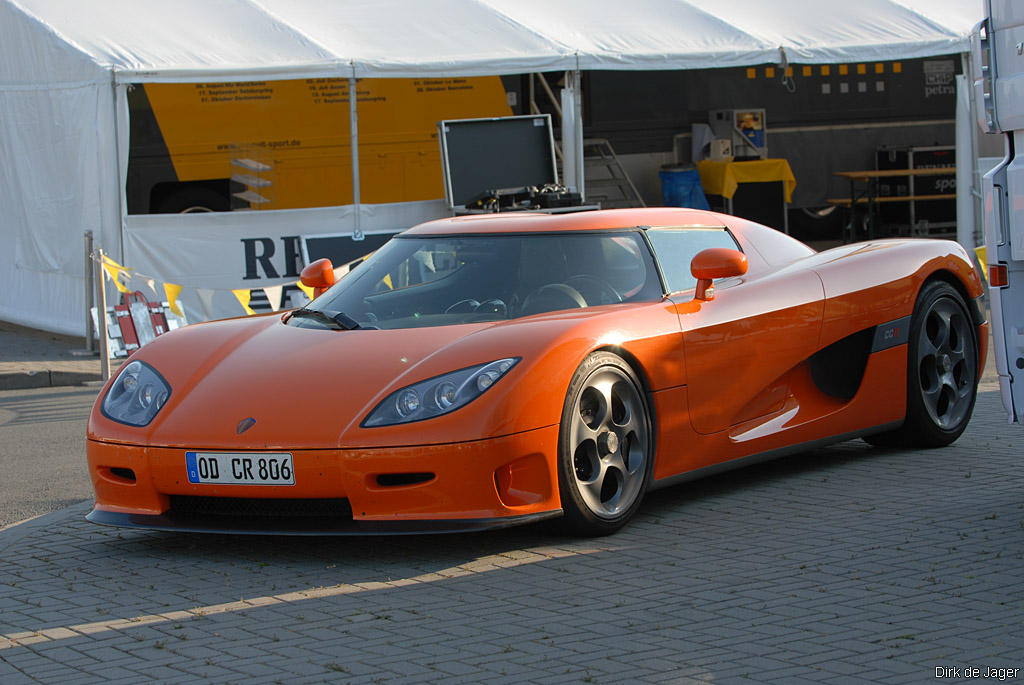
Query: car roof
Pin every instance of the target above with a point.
(533, 222)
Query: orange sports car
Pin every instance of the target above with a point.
(484, 371)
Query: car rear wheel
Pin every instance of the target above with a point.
(605, 446)
(942, 370)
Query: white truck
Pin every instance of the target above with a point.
(998, 65)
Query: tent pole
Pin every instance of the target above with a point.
(965, 163)
(972, 106)
(101, 317)
(90, 343)
(578, 113)
(120, 173)
(357, 232)
(572, 133)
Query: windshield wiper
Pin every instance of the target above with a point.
(341, 320)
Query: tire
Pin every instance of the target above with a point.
(605, 447)
(942, 371)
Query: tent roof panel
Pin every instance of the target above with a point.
(203, 38)
(403, 38)
(217, 40)
(812, 31)
(959, 16)
(33, 53)
(641, 34)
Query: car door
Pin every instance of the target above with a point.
(739, 346)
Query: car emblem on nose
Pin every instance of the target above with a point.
(246, 424)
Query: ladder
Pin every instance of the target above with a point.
(607, 182)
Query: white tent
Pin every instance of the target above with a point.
(66, 66)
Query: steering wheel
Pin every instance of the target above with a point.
(552, 297)
(593, 289)
(463, 307)
(489, 310)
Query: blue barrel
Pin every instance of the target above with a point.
(680, 187)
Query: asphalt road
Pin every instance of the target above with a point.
(42, 450)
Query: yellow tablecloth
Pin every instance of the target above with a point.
(722, 178)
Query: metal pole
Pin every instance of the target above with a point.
(120, 173)
(90, 332)
(357, 233)
(577, 91)
(572, 133)
(570, 172)
(101, 318)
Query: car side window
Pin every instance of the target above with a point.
(675, 248)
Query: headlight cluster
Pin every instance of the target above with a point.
(136, 395)
(437, 396)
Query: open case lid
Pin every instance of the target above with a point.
(480, 155)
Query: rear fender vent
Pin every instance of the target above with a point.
(838, 369)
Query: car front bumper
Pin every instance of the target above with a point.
(490, 483)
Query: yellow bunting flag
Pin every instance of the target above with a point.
(306, 289)
(172, 291)
(243, 296)
(982, 254)
(114, 271)
(111, 262)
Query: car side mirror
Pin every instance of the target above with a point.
(318, 275)
(715, 262)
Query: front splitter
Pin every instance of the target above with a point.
(238, 525)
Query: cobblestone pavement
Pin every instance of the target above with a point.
(37, 359)
(842, 565)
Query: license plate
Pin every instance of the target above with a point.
(243, 468)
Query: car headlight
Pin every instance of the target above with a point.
(439, 395)
(136, 395)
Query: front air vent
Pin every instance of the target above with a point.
(391, 480)
(193, 505)
(124, 474)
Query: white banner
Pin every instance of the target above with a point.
(251, 250)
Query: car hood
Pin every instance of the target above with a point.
(304, 387)
(310, 388)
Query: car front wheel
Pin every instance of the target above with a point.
(605, 446)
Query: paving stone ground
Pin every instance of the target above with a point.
(37, 359)
(847, 564)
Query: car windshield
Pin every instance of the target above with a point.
(415, 281)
